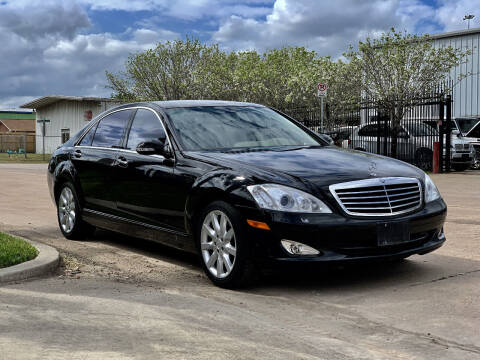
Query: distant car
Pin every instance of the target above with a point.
(468, 130)
(465, 125)
(341, 135)
(239, 183)
(414, 142)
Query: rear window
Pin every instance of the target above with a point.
(87, 139)
(111, 129)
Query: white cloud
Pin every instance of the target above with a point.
(451, 13)
(327, 29)
(48, 45)
(46, 58)
(33, 19)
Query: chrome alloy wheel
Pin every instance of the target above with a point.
(66, 209)
(218, 245)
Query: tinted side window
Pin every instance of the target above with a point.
(87, 139)
(111, 128)
(368, 130)
(145, 127)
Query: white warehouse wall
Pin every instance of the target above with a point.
(466, 94)
(65, 114)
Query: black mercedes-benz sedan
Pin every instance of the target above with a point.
(239, 183)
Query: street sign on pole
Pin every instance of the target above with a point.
(321, 89)
(321, 93)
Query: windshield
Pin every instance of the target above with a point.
(466, 125)
(233, 127)
(475, 132)
(419, 129)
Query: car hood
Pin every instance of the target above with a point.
(319, 167)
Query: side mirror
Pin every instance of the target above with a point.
(456, 132)
(153, 147)
(326, 138)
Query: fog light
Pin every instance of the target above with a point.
(441, 235)
(296, 248)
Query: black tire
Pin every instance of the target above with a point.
(80, 229)
(243, 269)
(424, 158)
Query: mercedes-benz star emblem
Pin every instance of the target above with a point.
(372, 169)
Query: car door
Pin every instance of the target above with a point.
(94, 157)
(145, 184)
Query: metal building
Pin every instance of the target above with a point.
(466, 93)
(65, 116)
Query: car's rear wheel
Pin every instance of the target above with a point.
(69, 216)
(224, 249)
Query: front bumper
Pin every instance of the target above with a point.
(342, 238)
(462, 158)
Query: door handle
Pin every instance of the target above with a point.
(77, 153)
(122, 162)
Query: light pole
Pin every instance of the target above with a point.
(468, 18)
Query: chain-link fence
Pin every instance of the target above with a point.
(17, 143)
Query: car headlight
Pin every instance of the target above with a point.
(284, 198)
(431, 191)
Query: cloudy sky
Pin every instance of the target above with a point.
(63, 47)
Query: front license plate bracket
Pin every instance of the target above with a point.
(393, 233)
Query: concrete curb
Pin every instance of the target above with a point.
(46, 262)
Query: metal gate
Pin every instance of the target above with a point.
(407, 134)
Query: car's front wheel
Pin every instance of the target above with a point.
(225, 250)
(69, 217)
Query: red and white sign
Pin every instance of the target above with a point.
(322, 89)
(88, 115)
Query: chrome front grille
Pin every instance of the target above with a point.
(462, 148)
(378, 197)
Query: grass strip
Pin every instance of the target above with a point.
(15, 251)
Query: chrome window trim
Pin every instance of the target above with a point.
(377, 182)
(125, 150)
(118, 149)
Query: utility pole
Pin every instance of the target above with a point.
(468, 18)
(43, 122)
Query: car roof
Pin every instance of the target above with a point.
(197, 103)
(183, 104)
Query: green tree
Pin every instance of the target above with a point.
(180, 69)
(397, 68)
(186, 69)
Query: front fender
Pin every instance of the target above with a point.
(224, 185)
(61, 170)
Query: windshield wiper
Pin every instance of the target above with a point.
(298, 147)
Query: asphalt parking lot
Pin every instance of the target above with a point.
(123, 298)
